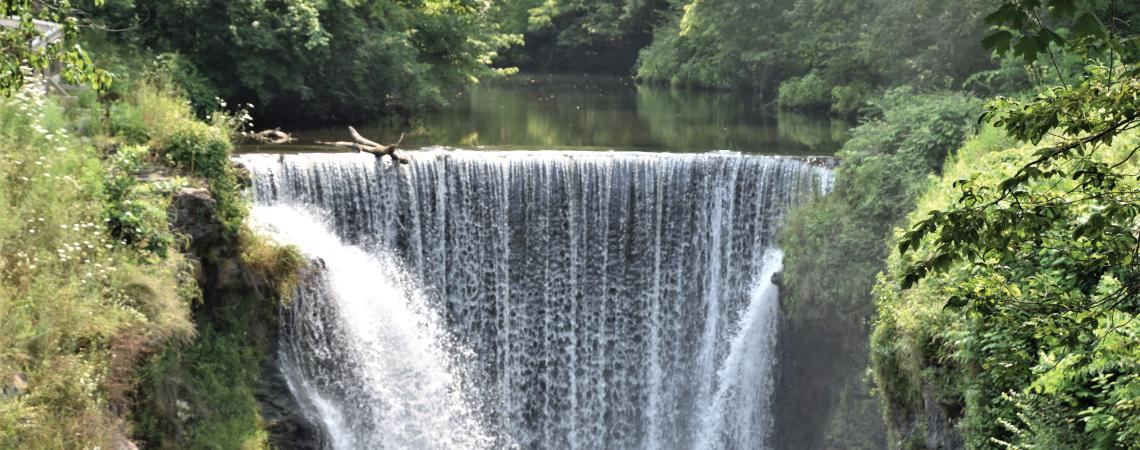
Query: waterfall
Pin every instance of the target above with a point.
(571, 299)
(363, 351)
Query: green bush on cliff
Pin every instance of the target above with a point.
(95, 295)
(204, 150)
(884, 164)
(154, 112)
(131, 216)
(1005, 375)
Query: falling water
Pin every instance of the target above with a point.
(365, 353)
(605, 300)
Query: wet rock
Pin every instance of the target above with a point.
(940, 431)
(288, 428)
(225, 280)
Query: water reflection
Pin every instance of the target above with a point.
(555, 112)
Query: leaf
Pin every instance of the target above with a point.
(1008, 13)
(1045, 36)
(955, 302)
(998, 42)
(1088, 25)
(1027, 48)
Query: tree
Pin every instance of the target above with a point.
(1006, 222)
(322, 60)
(21, 56)
(578, 34)
(1041, 268)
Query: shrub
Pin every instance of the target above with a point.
(136, 211)
(198, 89)
(809, 92)
(128, 122)
(848, 99)
(202, 150)
(1011, 380)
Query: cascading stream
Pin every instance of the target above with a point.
(605, 300)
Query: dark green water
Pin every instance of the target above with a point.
(563, 112)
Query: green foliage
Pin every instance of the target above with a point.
(1021, 373)
(807, 92)
(312, 58)
(193, 83)
(564, 35)
(25, 54)
(134, 216)
(202, 395)
(1028, 269)
(814, 45)
(839, 238)
(79, 306)
(851, 98)
(884, 165)
(129, 123)
(203, 150)
(155, 113)
(90, 289)
(718, 44)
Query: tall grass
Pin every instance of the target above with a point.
(78, 306)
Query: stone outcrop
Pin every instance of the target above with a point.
(224, 279)
(192, 214)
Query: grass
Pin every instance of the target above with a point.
(78, 306)
(104, 334)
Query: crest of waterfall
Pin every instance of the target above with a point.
(600, 299)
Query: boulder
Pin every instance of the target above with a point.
(193, 213)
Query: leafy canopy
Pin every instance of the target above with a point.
(22, 56)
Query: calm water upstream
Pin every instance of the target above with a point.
(584, 112)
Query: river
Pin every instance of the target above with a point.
(601, 113)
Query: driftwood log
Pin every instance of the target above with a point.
(363, 144)
(274, 136)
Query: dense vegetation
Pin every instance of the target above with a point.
(818, 54)
(1012, 326)
(105, 332)
(337, 60)
(313, 59)
(578, 35)
(1008, 308)
(840, 238)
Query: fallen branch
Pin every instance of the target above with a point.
(363, 144)
(274, 136)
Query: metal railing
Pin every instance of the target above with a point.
(49, 32)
